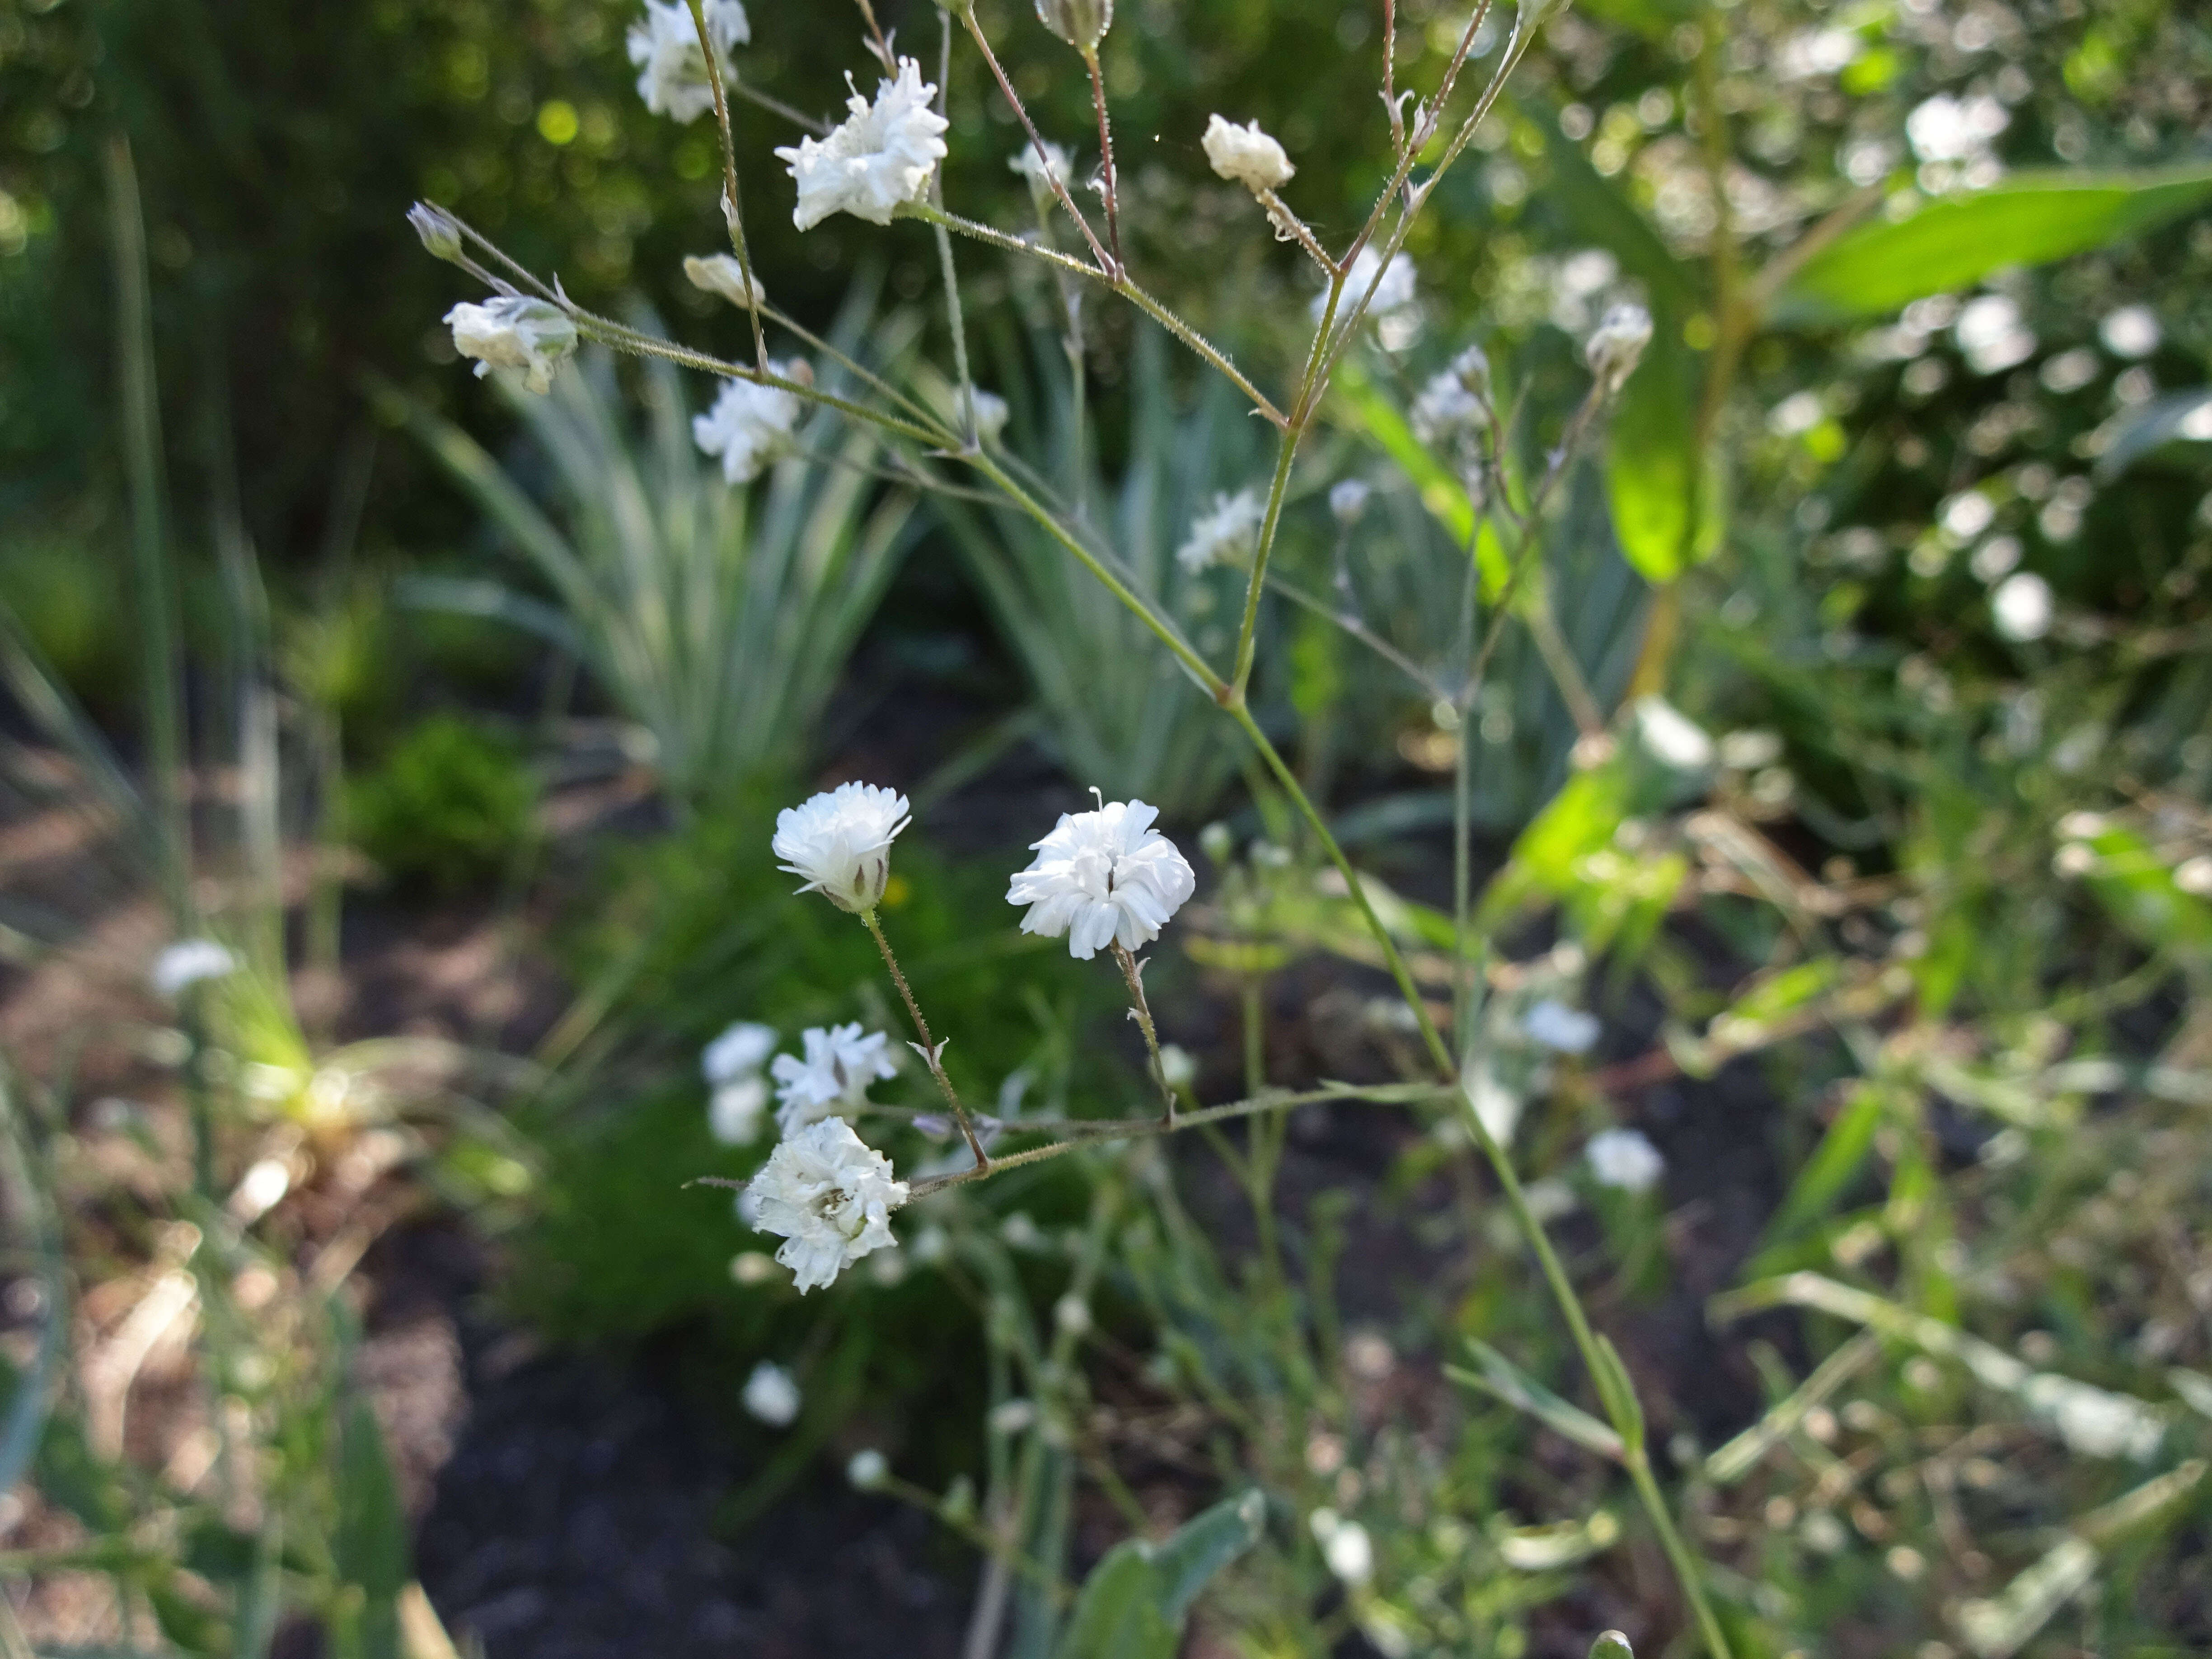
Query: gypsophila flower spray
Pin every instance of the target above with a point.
(672, 74)
(1104, 877)
(877, 159)
(839, 843)
(1227, 532)
(511, 331)
(833, 1076)
(751, 426)
(830, 1196)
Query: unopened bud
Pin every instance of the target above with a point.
(1611, 1644)
(1082, 23)
(440, 231)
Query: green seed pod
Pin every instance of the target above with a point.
(1082, 23)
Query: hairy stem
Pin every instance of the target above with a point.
(733, 204)
(1106, 156)
(1132, 977)
(930, 1050)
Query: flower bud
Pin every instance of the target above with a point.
(1082, 23)
(440, 231)
(1617, 345)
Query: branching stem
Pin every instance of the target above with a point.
(930, 1051)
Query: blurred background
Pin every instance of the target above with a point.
(351, 1300)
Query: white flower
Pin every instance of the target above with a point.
(840, 843)
(733, 1111)
(1625, 1159)
(1104, 877)
(1616, 344)
(1445, 409)
(672, 71)
(186, 964)
(866, 1469)
(509, 331)
(2023, 605)
(1345, 1546)
(772, 1395)
(1394, 294)
(1556, 1026)
(1672, 738)
(881, 157)
(1496, 1106)
(1245, 154)
(2093, 1421)
(720, 273)
(1178, 1065)
(830, 1195)
(840, 1064)
(1348, 500)
(750, 426)
(1947, 128)
(2130, 331)
(1228, 532)
(742, 1050)
(1041, 174)
(990, 413)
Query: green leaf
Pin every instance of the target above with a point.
(1826, 1173)
(2138, 891)
(371, 1546)
(1580, 820)
(1134, 1604)
(1509, 1383)
(1953, 242)
(1655, 478)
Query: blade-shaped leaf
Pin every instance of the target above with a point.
(1509, 1383)
(2029, 219)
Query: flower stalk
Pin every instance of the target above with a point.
(931, 1052)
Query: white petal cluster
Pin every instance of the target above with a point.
(1228, 532)
(830, 1196)
(510, 331)
(839, 842)
(1625, 1159)
(1445, 410)
(663, 44)
(772, 1395)
(839, 1062)
(1616, 345)
(1394, 292)
(750, 425)
(1245, 155)
(720, 273)
(1551, 1024)
(732, 1065)
(188, 962)
(1104, 877)
(881, 156)
(1041, 174)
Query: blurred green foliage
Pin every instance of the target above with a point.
(451, 805)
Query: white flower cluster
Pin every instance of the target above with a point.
(840, 1063)
(510, 331)
(840, 843)
(732, 1065)
(750, 426)
(879, 158)
(663, 44)
(1104, 877)
(1245, 155)
(1227, 532)
(830, 1196)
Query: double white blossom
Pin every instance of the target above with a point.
(188, 962)
(1245, 155)
(720, 273)
(510, 331)
(772, 1395)
(1394, 292)
(750, 425)
(1228, 532)
(830, 1196)
(840, 843)
(732, 1065)
(1625, 1159)
(1616, 345)
(840, 1062)
(881, 156)
(663, 44)
(1104, 877)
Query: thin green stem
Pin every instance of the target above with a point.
(968, 431)
(1132, 977)
(1109, 267)
(930, 1050)
(732, 203)
(1687, 1572)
